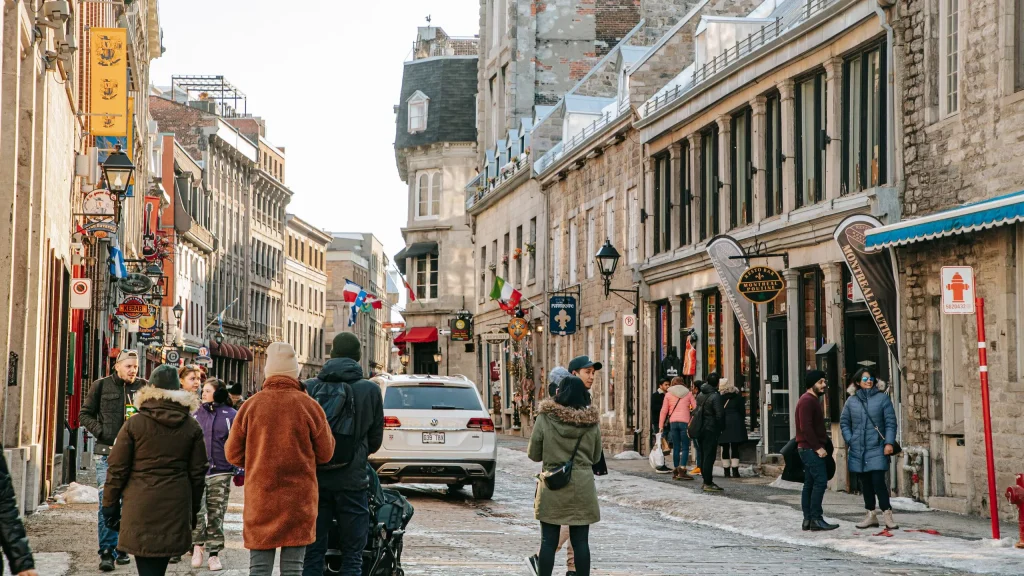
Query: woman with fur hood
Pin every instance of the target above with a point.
(157, 473)
(868, 424)
(563, 426)
(734, 432)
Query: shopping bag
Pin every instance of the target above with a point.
(657, 457)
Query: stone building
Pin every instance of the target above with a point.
(305, 275)
(960, 77)
(435, 151)
(360, 258)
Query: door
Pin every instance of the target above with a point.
(423, 358)
(865, 347)
(778, 383)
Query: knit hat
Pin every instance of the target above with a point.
(281, 361)
(235, 389)
(573, 393)
(165, 377)
(812, 378)
(345, 345)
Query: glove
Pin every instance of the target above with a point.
(112, 517)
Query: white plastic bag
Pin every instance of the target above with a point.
(657, 457)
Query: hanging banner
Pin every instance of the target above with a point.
(722, 249)
(874, 274)
(562, 315)
(108, 69)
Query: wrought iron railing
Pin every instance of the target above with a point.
(563, 148)
(479, 188)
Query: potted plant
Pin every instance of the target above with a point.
(504, 258)
(531, 248)
(517, 253)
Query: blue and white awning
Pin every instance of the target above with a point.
(967, 218)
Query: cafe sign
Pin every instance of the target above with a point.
(760, 284)
(461, 329)
(133, 308)
(135, 283)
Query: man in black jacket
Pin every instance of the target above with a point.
(111, 401)
(709, 406)
(343, 490)
(12, 531)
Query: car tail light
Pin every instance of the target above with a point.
(484, 424)
(392, 422)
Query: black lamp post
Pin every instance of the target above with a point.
(178, 311)
(117, 171)
(607, 260)
(218, 337)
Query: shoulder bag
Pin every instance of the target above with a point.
(896, 448)
(559, 477)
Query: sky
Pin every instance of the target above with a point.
(324, 75)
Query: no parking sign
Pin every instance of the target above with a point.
(629, 325)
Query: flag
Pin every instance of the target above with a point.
(117, 266)
(371, 303)
(351, 291)
(507, 296)
(357, 303)
(412, 294)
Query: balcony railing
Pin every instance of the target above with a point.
(563, 148)
(479, 188)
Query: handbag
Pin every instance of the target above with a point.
(896, 448)
(559, 477)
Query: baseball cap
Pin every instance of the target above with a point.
(580, 362)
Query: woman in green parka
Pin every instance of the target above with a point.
(560, 424)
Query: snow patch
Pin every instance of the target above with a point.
(628, 455)
(52, 563)
(786, 484)
(79, 494)
(781, 523)
(908, 505)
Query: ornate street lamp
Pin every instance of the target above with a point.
(404, 359)
(117, 171)
(178, 311)
(607, 260)
(437, 357)
(218, 338)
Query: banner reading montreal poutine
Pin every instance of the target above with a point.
(873, 271)
(730, 262)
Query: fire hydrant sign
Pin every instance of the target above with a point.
(958, 290)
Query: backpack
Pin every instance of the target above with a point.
(696, 427)
(341, 415)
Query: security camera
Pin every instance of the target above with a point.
(56, 11)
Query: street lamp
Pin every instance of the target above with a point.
(404, 359)
(218, 338)
(117, 171)
(437, 357)
(178, 311)
(607, 260)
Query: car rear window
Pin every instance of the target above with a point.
(426, 397)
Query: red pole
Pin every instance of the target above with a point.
(993, 504)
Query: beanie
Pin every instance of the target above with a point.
(281, 361)
(165, 377)
(235, 389)
(812, 378)
(345, 345)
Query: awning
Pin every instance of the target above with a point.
(244, 353)
(967, 218)
(417, 335)
(416, 250)
(224, 350)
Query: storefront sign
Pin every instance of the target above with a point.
(98, 209)
(760, 284)
(730, 262)
(958, 290)
(495, 337)
(562, 312)
(203, 352)
(172, 355)
(393, 325)
(108, 68)
(135, 283)
(81, 294)
(133, 308)
(461, 329)
(518, 328)
(873, 272)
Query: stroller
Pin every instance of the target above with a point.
(390, 513)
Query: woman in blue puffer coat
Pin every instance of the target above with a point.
(869, 429)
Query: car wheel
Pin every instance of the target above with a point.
(455, 487)
(483, 489)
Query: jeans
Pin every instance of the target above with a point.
(709, 442)
(107, 537)
(579, 538)
(700, 455)
(815, 480)
(351, 510)
(680, 443)
(151, 566)
(261, 562)
(873, 484)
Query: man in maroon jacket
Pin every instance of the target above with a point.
(811, 440)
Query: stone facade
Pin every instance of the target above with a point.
(305, 275)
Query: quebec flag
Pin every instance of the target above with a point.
(117, 266)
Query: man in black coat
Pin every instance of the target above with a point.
(343, 490)
(12, 531)
(712, 415)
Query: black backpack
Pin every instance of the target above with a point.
(341, 415)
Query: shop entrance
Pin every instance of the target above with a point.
(423, 358)
(865, 347)
(778, 383)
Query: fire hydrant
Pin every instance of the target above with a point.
(1015, 494)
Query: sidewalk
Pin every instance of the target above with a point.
(751, 505)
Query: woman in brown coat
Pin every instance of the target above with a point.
(279, 436)
(158, 468)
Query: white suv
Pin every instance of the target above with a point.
(436, 431)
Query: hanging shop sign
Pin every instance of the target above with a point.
(730, 262)
(98, 209)
(171, 355)
(518, 328)
(81, 294)
(204, 361)
(133, 308)
(760, 284)
(135, 283)
(495, 337)
(148, 325)
(108, 69)
(461, 329)
(393, 325)
(562, 313)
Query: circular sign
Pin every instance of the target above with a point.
(760, 284)
(518, 328)
(173, 356)
(135, 283)
(204, 351)
(148, 321)
(81, 288)
(133, 308)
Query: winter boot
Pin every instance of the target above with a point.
(870, 520)
(890, 522)
(683, 475)
(675, 473)
(107, 561)
(735, 467)
(728, 471)
(122, 558)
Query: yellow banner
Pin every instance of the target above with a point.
(108, 67)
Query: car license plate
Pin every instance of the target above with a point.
(433, 437)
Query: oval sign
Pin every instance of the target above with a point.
(133, 308)
(760, 284)
(135, 283)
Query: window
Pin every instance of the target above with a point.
(633, 230)
(556, 257)
(810, 147)
(741, 192)
(685, 196)
(418, 103)
(1018, 34)
(712, 324)
(435, 194)
(591, 250)
(864, 144)
(662, 203)
(505, 257)
(522, 255)
(572, 251)
(949, 56)
(428, 195)
(426, 276)
(483, 273)
(773, 156)
(609, 362)
(709, 184)
(812, 321)
(493, 267)
(532, 272)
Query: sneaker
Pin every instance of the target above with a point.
(663, 469)
(870, 520)
(695, 471)
(122, 558)
(713, 488)
(215, 564)
(533, 563)
(197, 557)
(890, 522)
(107, 561)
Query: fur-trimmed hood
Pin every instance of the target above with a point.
(577, 417)
(880, 385)
(724, 387)
(679, 391)
(169, 407)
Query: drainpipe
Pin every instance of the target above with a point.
(922, 453)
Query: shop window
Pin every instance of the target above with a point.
(864, 142)
(773, 156)
(741, 192)
(812, 321)
(609, 368)
(709, 184)
(745, 370)
(712, 332)
(686, 196)
(810, 147)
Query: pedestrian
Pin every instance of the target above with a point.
(215, 417)
(566, 429)
(235, 394)
(712, 418)
(675, 412)
(695, 387)
(586, 370)
(110, 402)
(355, 411)
(191, 379)
(868, 424)
(734, 432)
(155, 482)
(811, 440)
(279, 436)
(558, 373)
(13, 539)
(657, 400)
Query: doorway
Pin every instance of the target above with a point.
(423, 358)
(778, 383)
(865, 347)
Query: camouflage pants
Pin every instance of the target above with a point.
(209, 530)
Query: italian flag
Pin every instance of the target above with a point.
(507, 296)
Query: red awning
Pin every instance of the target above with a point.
(417, 335)
(245, 353)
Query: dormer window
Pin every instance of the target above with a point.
(418, 103)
